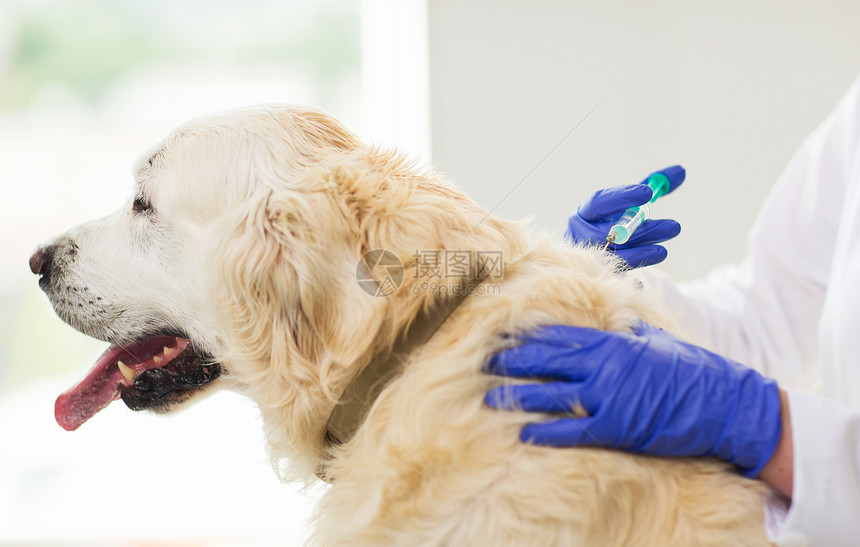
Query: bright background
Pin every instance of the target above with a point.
(728, 89)
(86, 86)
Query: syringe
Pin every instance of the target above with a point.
(660, 184)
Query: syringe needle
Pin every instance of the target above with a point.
(609, 240)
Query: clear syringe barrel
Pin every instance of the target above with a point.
(627, 224)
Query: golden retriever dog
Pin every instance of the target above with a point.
(270, 252)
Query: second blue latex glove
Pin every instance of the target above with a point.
(592, 220)
(645, 392)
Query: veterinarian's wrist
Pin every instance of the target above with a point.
(779, 470)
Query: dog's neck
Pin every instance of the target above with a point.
(362, 392)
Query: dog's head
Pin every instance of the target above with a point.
(234, 263)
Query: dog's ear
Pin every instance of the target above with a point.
(288, 289)
(296, 318)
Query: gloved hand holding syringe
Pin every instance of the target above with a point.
(611, 216)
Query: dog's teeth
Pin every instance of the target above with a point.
(166, 350)
(156, 359)
(127, 372)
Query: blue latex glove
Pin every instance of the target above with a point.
(594, 218)
(645, 392)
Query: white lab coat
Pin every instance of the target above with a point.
(791, 310)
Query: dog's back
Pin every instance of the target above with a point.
(432, 466)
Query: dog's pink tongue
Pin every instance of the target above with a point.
(99, 389)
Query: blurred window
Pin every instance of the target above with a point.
(86, 87)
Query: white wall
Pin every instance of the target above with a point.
(728, 89)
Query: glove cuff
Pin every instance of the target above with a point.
(754, 435)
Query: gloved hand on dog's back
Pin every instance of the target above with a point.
(592, 220)
(645, 391)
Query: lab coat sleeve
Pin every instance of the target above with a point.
(824, 508)
(765, 312)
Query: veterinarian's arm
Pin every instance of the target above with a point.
(820, 469)
(646, 392)
(652, 393)
(779, 470)
(592, 220)
(765, 312)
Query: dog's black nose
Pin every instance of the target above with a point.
(40, 262)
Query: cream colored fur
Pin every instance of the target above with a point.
(431, 465)
(257, 222)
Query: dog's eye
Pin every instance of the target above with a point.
(141, 205)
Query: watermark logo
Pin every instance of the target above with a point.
(435, 271)
(379, 272)
(447, 264)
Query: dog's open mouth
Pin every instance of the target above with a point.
(150, 373)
